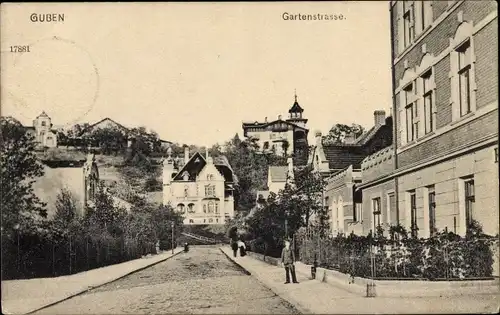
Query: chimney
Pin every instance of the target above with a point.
(379, 116)
(279, 117)
(349, 138)
(265, 119)
(319, 138)
(186, 154)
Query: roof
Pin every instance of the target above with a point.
(196, 164)
(266, 124)
(102, 120)
(296, 108)
(278, 173)
(341, 156)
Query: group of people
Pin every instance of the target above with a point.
(287, 258)
(235, 245)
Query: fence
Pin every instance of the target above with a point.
(445, 257)
(32, 256)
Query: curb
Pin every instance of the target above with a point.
(302, 309)
(90, 288)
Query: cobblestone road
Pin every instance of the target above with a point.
(202, 281)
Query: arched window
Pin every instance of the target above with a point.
(180, 207)
(210, 207)
(191, 208)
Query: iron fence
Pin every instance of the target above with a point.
(444, 258)
(32, 256)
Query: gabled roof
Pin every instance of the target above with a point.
(196, 164)
(278, 173)
(104, 119)
(266, 124)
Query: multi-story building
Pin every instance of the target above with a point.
(42, 131)
(283, 137)
(341, 165)
(445, 102)
(202, 189)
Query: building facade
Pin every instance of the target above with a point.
(42, 131)
(283, 137)
(445, 92)
(201, 190)
(341, 165)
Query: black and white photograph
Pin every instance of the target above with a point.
(335, 157)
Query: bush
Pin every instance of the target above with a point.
(443, 256)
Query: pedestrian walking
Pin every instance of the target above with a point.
(288, 261)
(234, 246)
(242, 247)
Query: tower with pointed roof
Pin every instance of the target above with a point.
(296, 114)
(282, 137)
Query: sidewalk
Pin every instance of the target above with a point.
(25, 296)
(315, 297)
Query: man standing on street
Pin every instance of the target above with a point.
(288, 260)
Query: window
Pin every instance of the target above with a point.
(209, 190)
(425, 14)
(204, 208)
(393, 211)
(496, 155)
(43, 123)
(411, 113)
(408, 23)
(464, 83)
(216, 220)
(186, 191)
(413, 213)
(266, 144)
(432, 210)
(210, 207)
(216, 207)
(191, 221)
(210, 220)
(469, 201)
(190, 208)
(180, 208)
(429, 112)
(376, 214)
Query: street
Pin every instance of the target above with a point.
(200, 281)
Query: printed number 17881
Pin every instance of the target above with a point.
(19, 49)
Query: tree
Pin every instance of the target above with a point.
(338, 132)
(162, 219)
(66, 208)
(110, 140)
(19, 169)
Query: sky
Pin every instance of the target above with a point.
(193, 72)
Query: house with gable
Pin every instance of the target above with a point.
(202, 189)
(341, 165)
(284, 137)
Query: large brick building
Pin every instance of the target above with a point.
(445, 103)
